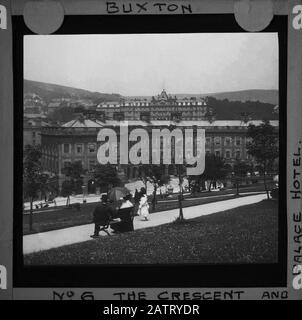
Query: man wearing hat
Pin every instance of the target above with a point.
(101, 216)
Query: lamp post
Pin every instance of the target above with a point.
(180, 196)
(83, 189)
(92, 183)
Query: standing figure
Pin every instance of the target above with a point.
(101, 216)
(126, 215)
(136, 196)
(143, 208)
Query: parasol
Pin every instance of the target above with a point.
(116, 193)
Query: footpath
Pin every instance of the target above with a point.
(62, 237)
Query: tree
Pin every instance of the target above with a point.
(195, 183)
(246, 116)
(32, 176)
(106, 176)
(181, 173)
(210, 115)
(67, 190)
(49, 184)
(74, 173)
(239, 110)
(155, 174)
(240, 171)
(143, 174)
(215, 169)
(264, 146)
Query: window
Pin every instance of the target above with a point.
(217, 153)
(145, 116)
(66, 163)
(217, 140)
(208, 140)
(176, 116)
(91, 148)
(248, 141)
(238, 141)
(228, 154)
(119, 116)
(101, 116)
(79, 161)
(238, 154)
(79, 148)
(66, 147)
(227, 141)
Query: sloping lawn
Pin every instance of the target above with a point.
(61, 217)
(246, 234)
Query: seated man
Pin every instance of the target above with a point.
(126, 214)
(101, 216)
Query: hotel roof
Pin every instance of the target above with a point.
(87, 123)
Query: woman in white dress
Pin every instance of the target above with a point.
(143, 208)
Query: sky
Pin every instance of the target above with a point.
(134, 65)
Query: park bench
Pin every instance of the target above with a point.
(126, 220)
(105, 227)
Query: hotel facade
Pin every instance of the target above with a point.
(161, 107)
(77, 141)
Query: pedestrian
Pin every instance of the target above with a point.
(127, 202)
(101, 216)
(126, 215)
(143, 208)
(136, 196)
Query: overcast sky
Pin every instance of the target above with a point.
(145, 64)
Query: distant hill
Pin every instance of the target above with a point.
(237, 110)
(48, 91)
(265, 96)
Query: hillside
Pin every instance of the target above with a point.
(235, 110)
(265, 96)
(48, 91)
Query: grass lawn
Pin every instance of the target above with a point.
(247, 234)
(61, 217)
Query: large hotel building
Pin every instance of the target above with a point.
(76, 140)
(162, 107)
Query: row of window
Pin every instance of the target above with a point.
(228, 154)
(149, 104)
(79, 148)
(119, 116)
(91, 163)
(227, 141)
(49, 164)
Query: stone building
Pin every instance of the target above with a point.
(77, 141)
(32, 128)
(161, 107)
